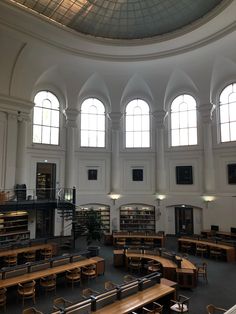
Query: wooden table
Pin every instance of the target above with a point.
(43, 273)
(229, 250)
(223, 234)
(138, 300)
(160, 239)
(21, 250)
(168, 266)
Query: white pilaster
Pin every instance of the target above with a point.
(71, 116)
(115, 118)
(208, 173)
(21, 149)
(159, 116)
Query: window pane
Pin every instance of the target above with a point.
(233, 131)
(101, 139)
(192, 136)
(45, 135)
(232, 111)
(137, 139)
(100, 122)
(84, 121)
(47, 103)
(46, 117)
(92, 122)
(129, 123)
(54, 136)
(129, 139)
(224, 113)
(175, 138)
(145, 139)
(84, 138)
(224, 97)
(175, 120)
(192, 118)
(183, 137)
(37, 115)
(137, 123)
(183, 106)
(225, 132)
(145, 123)
(37, 134)
(92, 138)
(55, 118)
(183, 117)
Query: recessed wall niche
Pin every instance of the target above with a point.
(231, 173)
(137, 174)
(92, 174)
(184, 174)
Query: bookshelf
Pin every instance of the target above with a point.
(103, 210)
(137, 217)
(14, 226)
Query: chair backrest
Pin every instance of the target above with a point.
(27, 287)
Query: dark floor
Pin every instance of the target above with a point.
(220, 290)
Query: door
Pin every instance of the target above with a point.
(183, 221)
(45, 180)
(44, 223)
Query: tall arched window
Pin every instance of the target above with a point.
(137, 124)
(183, 121)
(228, 113)
(46, 120)
(92, 123)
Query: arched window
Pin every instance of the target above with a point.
(46, 120)
(228, 113)
(137, 124)
(183, 121)
(92, 123)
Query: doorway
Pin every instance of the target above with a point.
(183, 221)
(44, 223)
(45, 180)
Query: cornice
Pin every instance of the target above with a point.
(119, 51)
(11, 104)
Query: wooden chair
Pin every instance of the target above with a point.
(3, 298)
(215, 253)
(202, 271)
(153, 267)
(153, 308)
(135, 263)
(120, 242)
(128, 278)
(89, 272)
(31, 310)
(49, 283)
(86, 293)
(61, 304)
(181, 305)
(30, 256)
(73, 276)
(11, 260)
(186, 247)
(201, 249)
(26, 291)
(212, 309)
(46, 253)
(109, 285)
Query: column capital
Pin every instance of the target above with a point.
(206, 111)
(159, 116)
(115, 118)
(71, 116)
(22, 117)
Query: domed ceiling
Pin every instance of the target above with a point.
(123, 19)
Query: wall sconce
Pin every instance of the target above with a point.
(114, 197)
(207, 199)
(159, 198)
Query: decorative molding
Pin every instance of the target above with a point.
(206, 111)
(115, 118)
(160, 116)
(13, 105)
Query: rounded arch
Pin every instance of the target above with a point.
(95, 87)
(179, 83)
(136, 88)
